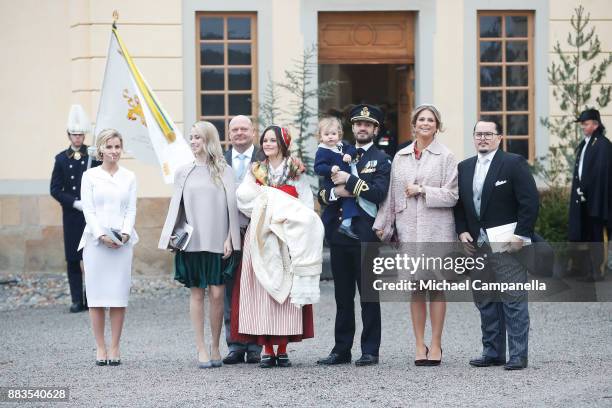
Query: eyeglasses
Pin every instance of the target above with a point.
(484, 135)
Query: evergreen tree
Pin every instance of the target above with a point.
(269, 112)
(574, 94)
(300, 112)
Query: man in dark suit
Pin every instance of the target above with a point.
(240, 156)
(66, 189)
(591, 196)
(497, 188)
(368, 182)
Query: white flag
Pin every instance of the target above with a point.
(128, 105)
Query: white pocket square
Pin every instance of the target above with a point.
(500, 182)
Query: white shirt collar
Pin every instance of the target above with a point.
(248, 152)
(489, 155)
(278, 170)
(332, 148)
(366, 147)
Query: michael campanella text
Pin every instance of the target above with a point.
(408, 285)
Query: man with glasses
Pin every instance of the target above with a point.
(591, 201)
(496, 188)
(240, 156)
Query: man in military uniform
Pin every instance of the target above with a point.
(591, 196)
(368, 182)
(66, 189)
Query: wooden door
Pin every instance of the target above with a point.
(366, 37)
(405, 102)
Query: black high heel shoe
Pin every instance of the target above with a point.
(423, 361)
(101, 362)
(114, 362)
(435, 362)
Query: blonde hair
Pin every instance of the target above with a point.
(103, 137)
(427, 106)
(212, 148)
(328, 122)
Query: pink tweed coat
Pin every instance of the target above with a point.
(426, 218)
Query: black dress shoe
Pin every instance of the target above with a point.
(253, 357)
(486, 362)
(422, 361)
(282, 360)
(234, 357)
(267, 361)
(77, 307)
(516, 364)
(346, 230)
(366, 360)
(335, 358)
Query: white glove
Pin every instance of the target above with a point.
(77, 204)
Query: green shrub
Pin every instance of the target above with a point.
(553, 218)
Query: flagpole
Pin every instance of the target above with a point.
(91, 149)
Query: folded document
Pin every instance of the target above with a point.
(500, 236)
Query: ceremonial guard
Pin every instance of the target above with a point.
(66, 189)
(590, 214)
(368, 183)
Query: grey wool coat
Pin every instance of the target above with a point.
(174, 220)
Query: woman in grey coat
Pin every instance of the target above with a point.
(202, 228)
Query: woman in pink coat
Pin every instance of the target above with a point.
(419, 208)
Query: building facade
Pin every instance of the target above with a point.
(212, 60)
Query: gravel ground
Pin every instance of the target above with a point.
(52, 289)
(570, 363)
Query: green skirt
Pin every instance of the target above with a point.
(200, 269)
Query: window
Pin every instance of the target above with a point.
(505, 77)
(226, 61)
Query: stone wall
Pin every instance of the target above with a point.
(31, 237)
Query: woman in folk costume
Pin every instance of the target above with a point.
(282, 253)
(204, 203)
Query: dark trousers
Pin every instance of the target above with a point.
(503, 313)
(592, 232)
(75, 281)
(346, 270)
(227, 313)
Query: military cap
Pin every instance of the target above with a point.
(368, 113)
(589, 114)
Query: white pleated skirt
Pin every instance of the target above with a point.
(108, 274)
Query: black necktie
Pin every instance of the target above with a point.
(360, 153)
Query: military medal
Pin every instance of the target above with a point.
(77, 155)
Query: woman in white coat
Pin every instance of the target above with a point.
(108, 194)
